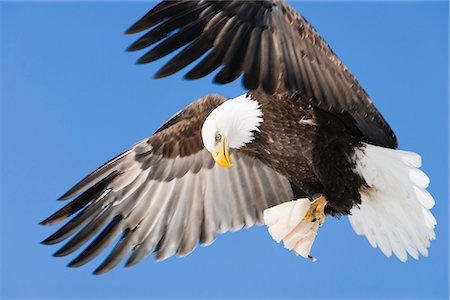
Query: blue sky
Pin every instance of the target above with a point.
(72, 99)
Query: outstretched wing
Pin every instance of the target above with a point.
(166, 194)
(268, 43)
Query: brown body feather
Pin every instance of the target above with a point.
(309, 146)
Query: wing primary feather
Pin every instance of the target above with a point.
(84, 234)
(124, 245)
(164, 29)
(215, 58)
(194, 50)
(162, 11)
(265, 59)
(235, 55)
(288, 59)
(139, 229)
(79, 220)
(95, 176)
(233, 58)
(156, 218)
(182, 37)
(103, 240)
(251, 61)
(137, 224)
(146, 247)
(81, 201)
(275, 73)
(191, 53)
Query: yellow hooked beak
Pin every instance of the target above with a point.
(222, 156)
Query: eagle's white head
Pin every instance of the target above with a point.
(231, 125)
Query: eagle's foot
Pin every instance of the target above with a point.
(316, 212)
(296, 223)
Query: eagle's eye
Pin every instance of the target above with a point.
(218, 137)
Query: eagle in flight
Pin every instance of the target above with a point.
(304, 142)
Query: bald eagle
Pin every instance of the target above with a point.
(304, 143)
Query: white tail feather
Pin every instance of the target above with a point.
(394, 212)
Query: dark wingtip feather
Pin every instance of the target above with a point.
(223, 78)
(159, 13)
(66, 249)
(132, 260)
(99, 271)
(74, 264)
(77, 204)
(116, 256)
(52, 220)
(102, 241)
(144, 60)
(130, 48)
(102, 269)
(132, 30)
(60, 253)
(190, 76)
(77, 262)
(55, 238)
(48, 241)
(107, 170)
(44, 222)
(64, 197)
(136, 46)
(129, 263)
(141, 25)
(159, 75)
(164, 72)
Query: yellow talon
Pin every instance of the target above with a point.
(316, 211)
